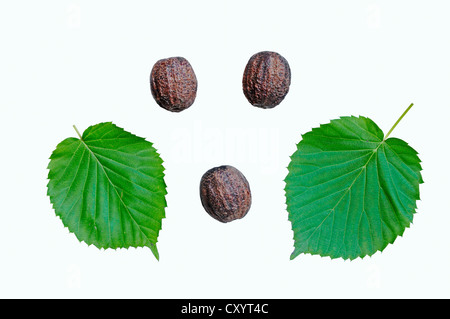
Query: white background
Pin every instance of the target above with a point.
(84, 62)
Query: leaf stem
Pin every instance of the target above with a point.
(398, 121)
(79, 135)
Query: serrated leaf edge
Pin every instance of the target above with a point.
(152, 246)
(294, 254)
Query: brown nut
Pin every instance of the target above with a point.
(225, 193)
(173, 84)
(266, 79)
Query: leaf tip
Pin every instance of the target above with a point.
(154, 250)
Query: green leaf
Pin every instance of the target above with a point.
(108, 188)
(350, 191)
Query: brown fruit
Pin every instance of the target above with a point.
(225, 193)
(173, 84)
(266, 80)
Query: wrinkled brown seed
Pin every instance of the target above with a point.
(266, 79)
(225, 193)
(173, 84)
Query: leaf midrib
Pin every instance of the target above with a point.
(363, 168)
(115, 189)
(356, 178)
(345, 193)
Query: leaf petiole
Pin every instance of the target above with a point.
(398, 121)
(76, 130)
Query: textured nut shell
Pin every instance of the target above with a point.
(266, 79)
(225, 193)
(173, 84)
